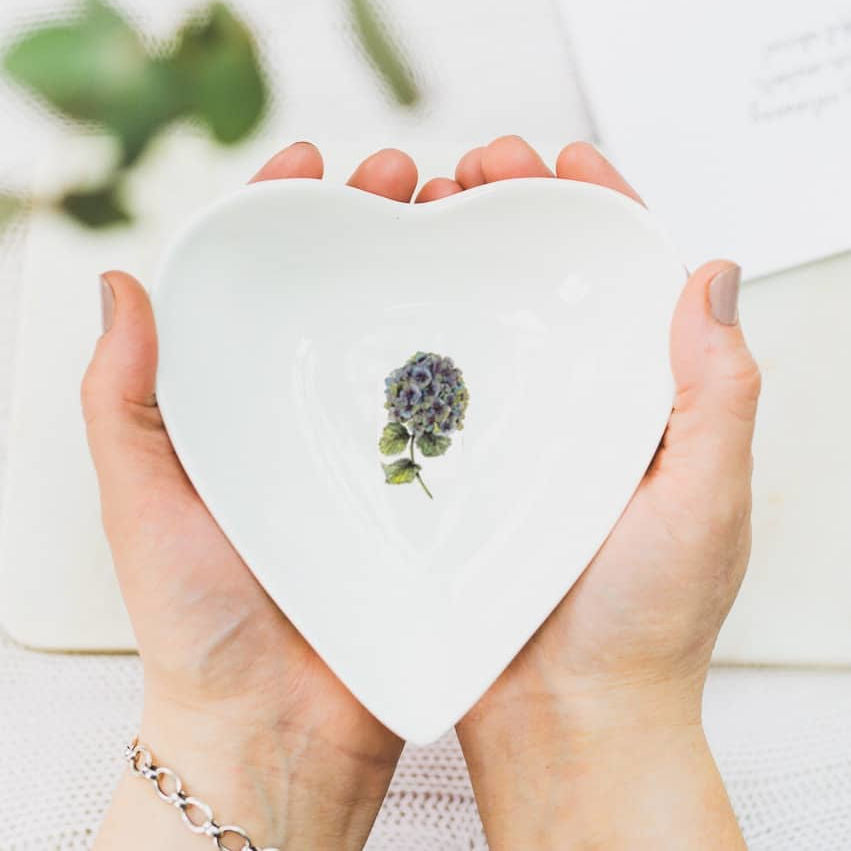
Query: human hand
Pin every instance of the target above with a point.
(598, 720)
(234, 699)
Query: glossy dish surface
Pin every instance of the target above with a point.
(287, 316)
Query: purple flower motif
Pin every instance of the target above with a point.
(409, 395)
(421, 374)
(425, 399)
(440, 411)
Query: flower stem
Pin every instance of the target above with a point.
(428, 492)
(419, 477)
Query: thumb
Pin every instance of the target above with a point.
(122, 372)
(717, 380)
(125, 430)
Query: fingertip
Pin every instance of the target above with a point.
(576, 156)
(468, 172)
(582, 161)
(709, 354)
(123, 367)
(437, 188)
(389, 172)
(300, 159)
(119, 287)
(398, 162)
(508, 157)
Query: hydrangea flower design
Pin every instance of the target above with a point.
(426, 400)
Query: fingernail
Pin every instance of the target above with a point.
(724, 295)
(107, 303)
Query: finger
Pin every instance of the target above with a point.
(390, 173)
(468, 172)
(509, 157)
(301, 159)
(436, 188)
(582, 161)
(717, 380)
(129, 445)
(123, 369)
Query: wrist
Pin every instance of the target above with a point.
(582, 708)
(286, 787)
(606, 768)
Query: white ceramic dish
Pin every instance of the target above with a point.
(280, 312)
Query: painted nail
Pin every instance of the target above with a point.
(724, 295)
(107, 303)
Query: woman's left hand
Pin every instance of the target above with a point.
(235, 700)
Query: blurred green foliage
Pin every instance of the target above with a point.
(383, 52)
(218, 75)
(10, 208)
(96, 208)
(96, 70)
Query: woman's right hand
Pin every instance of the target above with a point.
(592, 737)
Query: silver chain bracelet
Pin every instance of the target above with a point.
(142, 765)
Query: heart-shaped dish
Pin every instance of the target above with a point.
(287, 312)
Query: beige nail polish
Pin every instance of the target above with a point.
(107, 303)
(724, 295)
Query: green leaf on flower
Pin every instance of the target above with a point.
(96, 208)
(384, 53)
(94, 68)
(433, 444)
(219, 72)
(394, 439)
(400, 472)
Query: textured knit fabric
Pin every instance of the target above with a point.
(782, 740)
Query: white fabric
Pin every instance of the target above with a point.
(782, 740)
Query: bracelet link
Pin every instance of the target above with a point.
(187, 803)
(235, 831)
(168, 797)
(141, 764)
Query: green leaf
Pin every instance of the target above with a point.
(95, 69)
(383, 53)
(394, 439)
(433, 444)
(220, 76)
(96, 208)
(400, 472)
